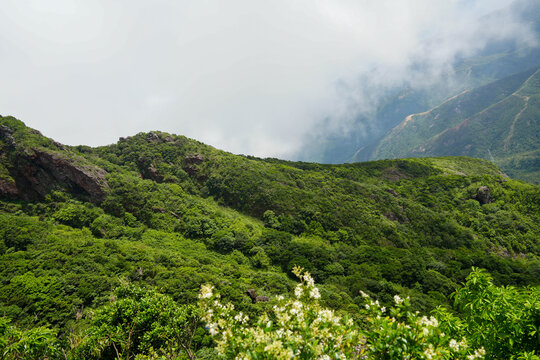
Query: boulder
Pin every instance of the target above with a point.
(8, 189)
(194, 159)
(483, 195)
(7, 135)
(153, 138)
(252, 293)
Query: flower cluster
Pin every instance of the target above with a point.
(306, 287)
(398, 333)
(297, 328)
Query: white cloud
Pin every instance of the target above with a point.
(247, 76)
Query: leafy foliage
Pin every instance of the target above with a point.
(139, 322)
(178, 214)
(503, 319)
(300, 328)
(32, 344)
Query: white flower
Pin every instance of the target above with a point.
(241, 318)
(309, 280)
(397, 299)
(296, 307)
(298, 291)
(453, 344)
(478, 354)
(314, 293)
(383, 309)
(429, 322)
(429, 353)
(206, 292)
(212, 329)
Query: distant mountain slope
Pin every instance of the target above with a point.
(499, 59)
(498, 122)
(361, 140)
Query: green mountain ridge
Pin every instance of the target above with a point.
(162, 211)
(497, 122)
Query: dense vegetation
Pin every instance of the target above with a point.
(119, 274)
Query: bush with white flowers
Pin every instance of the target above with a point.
(296, 328)
(399, 333)
(299, 328)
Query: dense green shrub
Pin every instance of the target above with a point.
(139, 322)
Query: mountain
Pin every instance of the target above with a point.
(497, 122)
(161, 211)
(498, 60)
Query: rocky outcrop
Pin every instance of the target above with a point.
(194, 159)
(36, 172)
(483, 195)
(252, 293)
(191, 166)
(8, 189)
(153, 174)
(153, 138)
(7, 135)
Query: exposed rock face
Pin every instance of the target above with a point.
(7, 134)
(252, 293)
(483, 195)
(194, 159)
(37, 172)
(153, 174)
(153, 138)
(191, 162)
(8, 189)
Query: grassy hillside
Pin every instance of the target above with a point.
(497, 122)
(163, 211)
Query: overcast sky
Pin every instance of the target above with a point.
(250, 77)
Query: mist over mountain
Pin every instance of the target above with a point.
(141, 244)
(497, 122)
(390, 106)
(252, 78)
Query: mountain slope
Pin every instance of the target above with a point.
(363, 136)
(499, 59)
(496, 122)
(174, 213)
